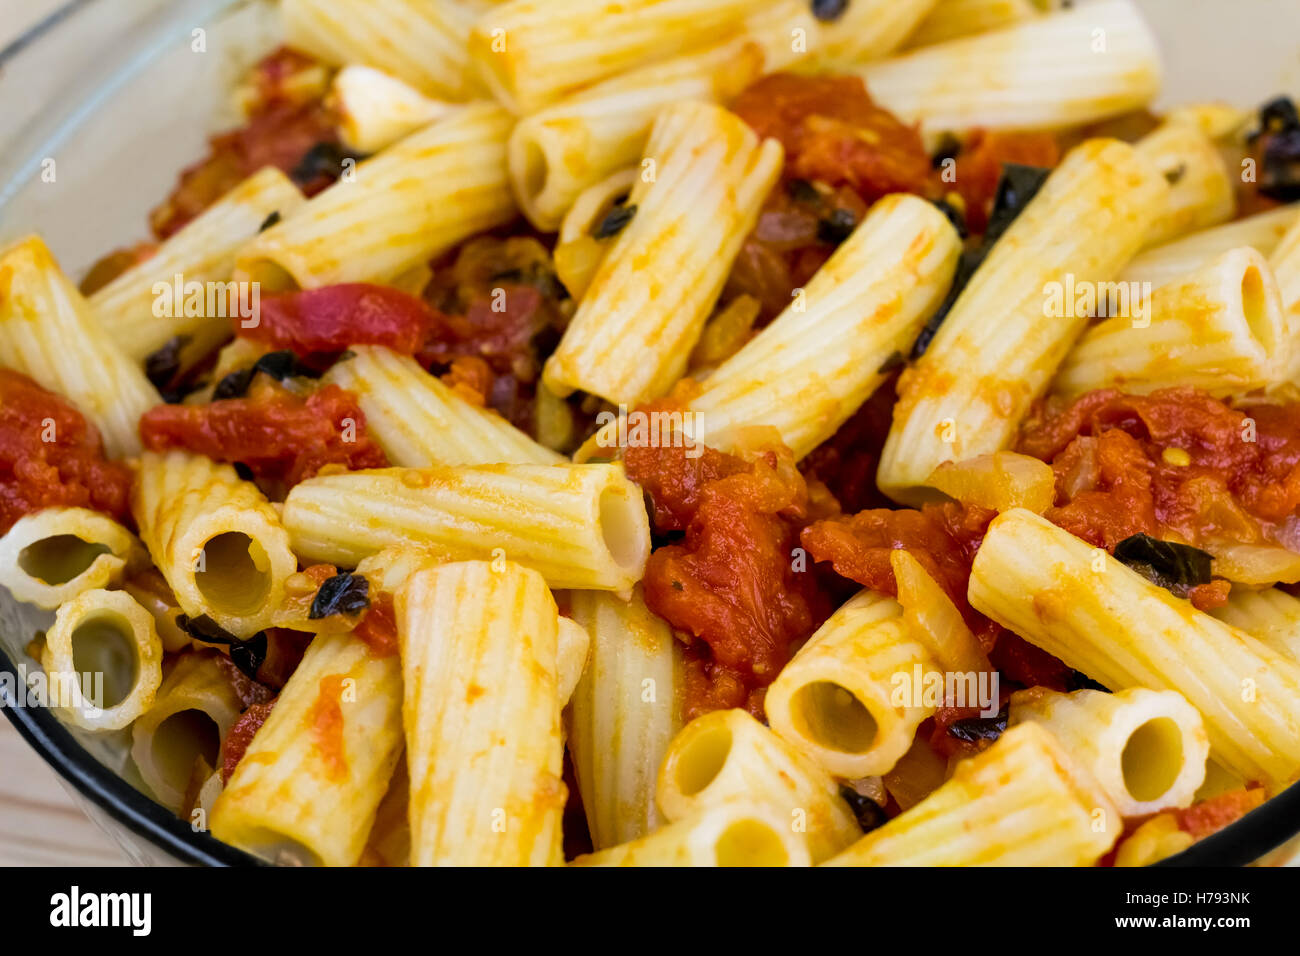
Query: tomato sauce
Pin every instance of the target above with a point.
(842, 152)
(325, 724)
(378, 627)
(732, 580)
(979, 167)
(279, 435)
(1177, 463)
(943, 538)
(833, 133)
(322, 323)
(287, 120)
(240, 735)
(50, 456)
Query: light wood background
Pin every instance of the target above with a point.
(40, 825)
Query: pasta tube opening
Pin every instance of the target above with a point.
(1152, 759)
(750, 842)
(830, 715)
(180, 740)
(60, 558)
(702, 758)
(107, 639)
(104, 644)
(234, 575)
(53, 555)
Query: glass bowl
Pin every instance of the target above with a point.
(122, 95)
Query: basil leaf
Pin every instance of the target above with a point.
(345, 593)
(1175, 567)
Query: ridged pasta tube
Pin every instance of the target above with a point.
(108, 638)
(215, 537)
(1220, 329)
(623, 714)
(307, 789)
(202, 252)
(418, 421)
(1166, 263)
(1123, 631)
(416, 199)
(649, 299)
(727, 754)
(50, 333)
(580, 526)
(1145, 748)
(998, 347)
(481, 710)
(1022, 802)
(735, 833)
(52, 555)
(1051, 72)
(844, 699)
(193, 711)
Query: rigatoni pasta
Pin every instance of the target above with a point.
(141, 308)
(114, 639)
(481, 711)
(1066, 69)
(852, 698)
(429, 190)
(623, 714)
(215, 537)
(308, 787)
(703, 180)
(1220, 329)
(1023, 802)
(1145, 748)
(581, 526)
(735, 833)
(1124, 631)
(728, 755)
(192, 713)
(998, 347)
(531, 52)
(52, 555)
(422, 43)
(559, 151)
(49, 332)
(418, 421)
(376, 109)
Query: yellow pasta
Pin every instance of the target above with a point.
(851, 699)
(1022, 802)
(1013, 324)
(734, 833)
(52, 555)
(727, 754)
(49, 332)
(624, 713)
(1145, 748)
(530, 53)
(703, 181)
(1066, 69)
(1101, 618)
(1220, 329)
(102, 659)
(142, 309)
(375, 109)
(193, 711)
(215, 537)
(482, 716)
(1201, 190)
(581, 526)
(416, 199)
(422, 42)
(307, 789)
(418, 421)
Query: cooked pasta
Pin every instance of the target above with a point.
(51, 556)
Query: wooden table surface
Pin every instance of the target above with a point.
(40, 825)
